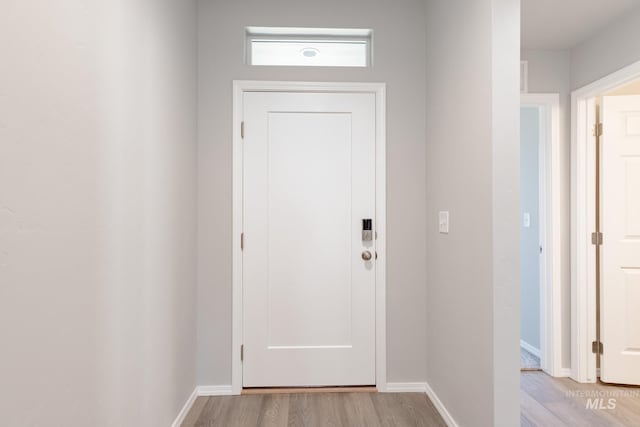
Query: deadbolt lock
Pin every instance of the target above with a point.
(367, 230)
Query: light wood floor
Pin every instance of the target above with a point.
(315, 409)
(557, 402)
(544, 402)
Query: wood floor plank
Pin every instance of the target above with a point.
(536, 414)
(567, 400)
(300, 412)
(245, 411)
(215, 411)
(525, 422)
(405, 409)
(535, 385)
(274, 411)
(578, 404)
(383, 405)
(360, 410)
(195, 411)
(574, 414)
(419, 408)
(627, 401)
(568, 410)
(328, 410)
(426, 411)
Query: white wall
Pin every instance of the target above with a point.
(530, 236)
(611, 49)
(97, 201)
(97, 212)
(48, 117)
(399, 40)
(549, 72)
(473, 172)
(505, 129)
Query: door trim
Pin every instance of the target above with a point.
(583, 220)
(379, 90)
(548, 105)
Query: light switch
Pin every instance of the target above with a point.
(526, 220)
(443, 222)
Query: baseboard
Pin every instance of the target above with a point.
(557, 373)
(424, 388)
(446, 416)
(185, 409)
(214, 390)
(201, 390)
(406, 388)
(531, 349)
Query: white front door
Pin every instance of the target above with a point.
(620, 251)
(308, 294)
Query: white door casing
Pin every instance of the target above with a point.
(583, 223)
(620, 251)
(550, 230)
(307, 308)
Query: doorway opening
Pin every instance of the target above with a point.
(606, 242)
(530, 236)
(540, 234)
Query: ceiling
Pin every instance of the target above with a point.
(562, 24)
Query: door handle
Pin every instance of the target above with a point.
(366, 255)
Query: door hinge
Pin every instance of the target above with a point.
(597, 238)
(597, 129)
(597, 347)
(242, 353)
(242, 130)
(241, 241)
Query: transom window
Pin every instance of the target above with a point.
(311, 47)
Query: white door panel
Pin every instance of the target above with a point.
(309, 298)
(620, 252)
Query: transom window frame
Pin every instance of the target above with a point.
(310, 35)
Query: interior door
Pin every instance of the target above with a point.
(620, 251)
(308, 273)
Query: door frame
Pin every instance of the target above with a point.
(548, 105)
(583, 219)
(379, 90)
